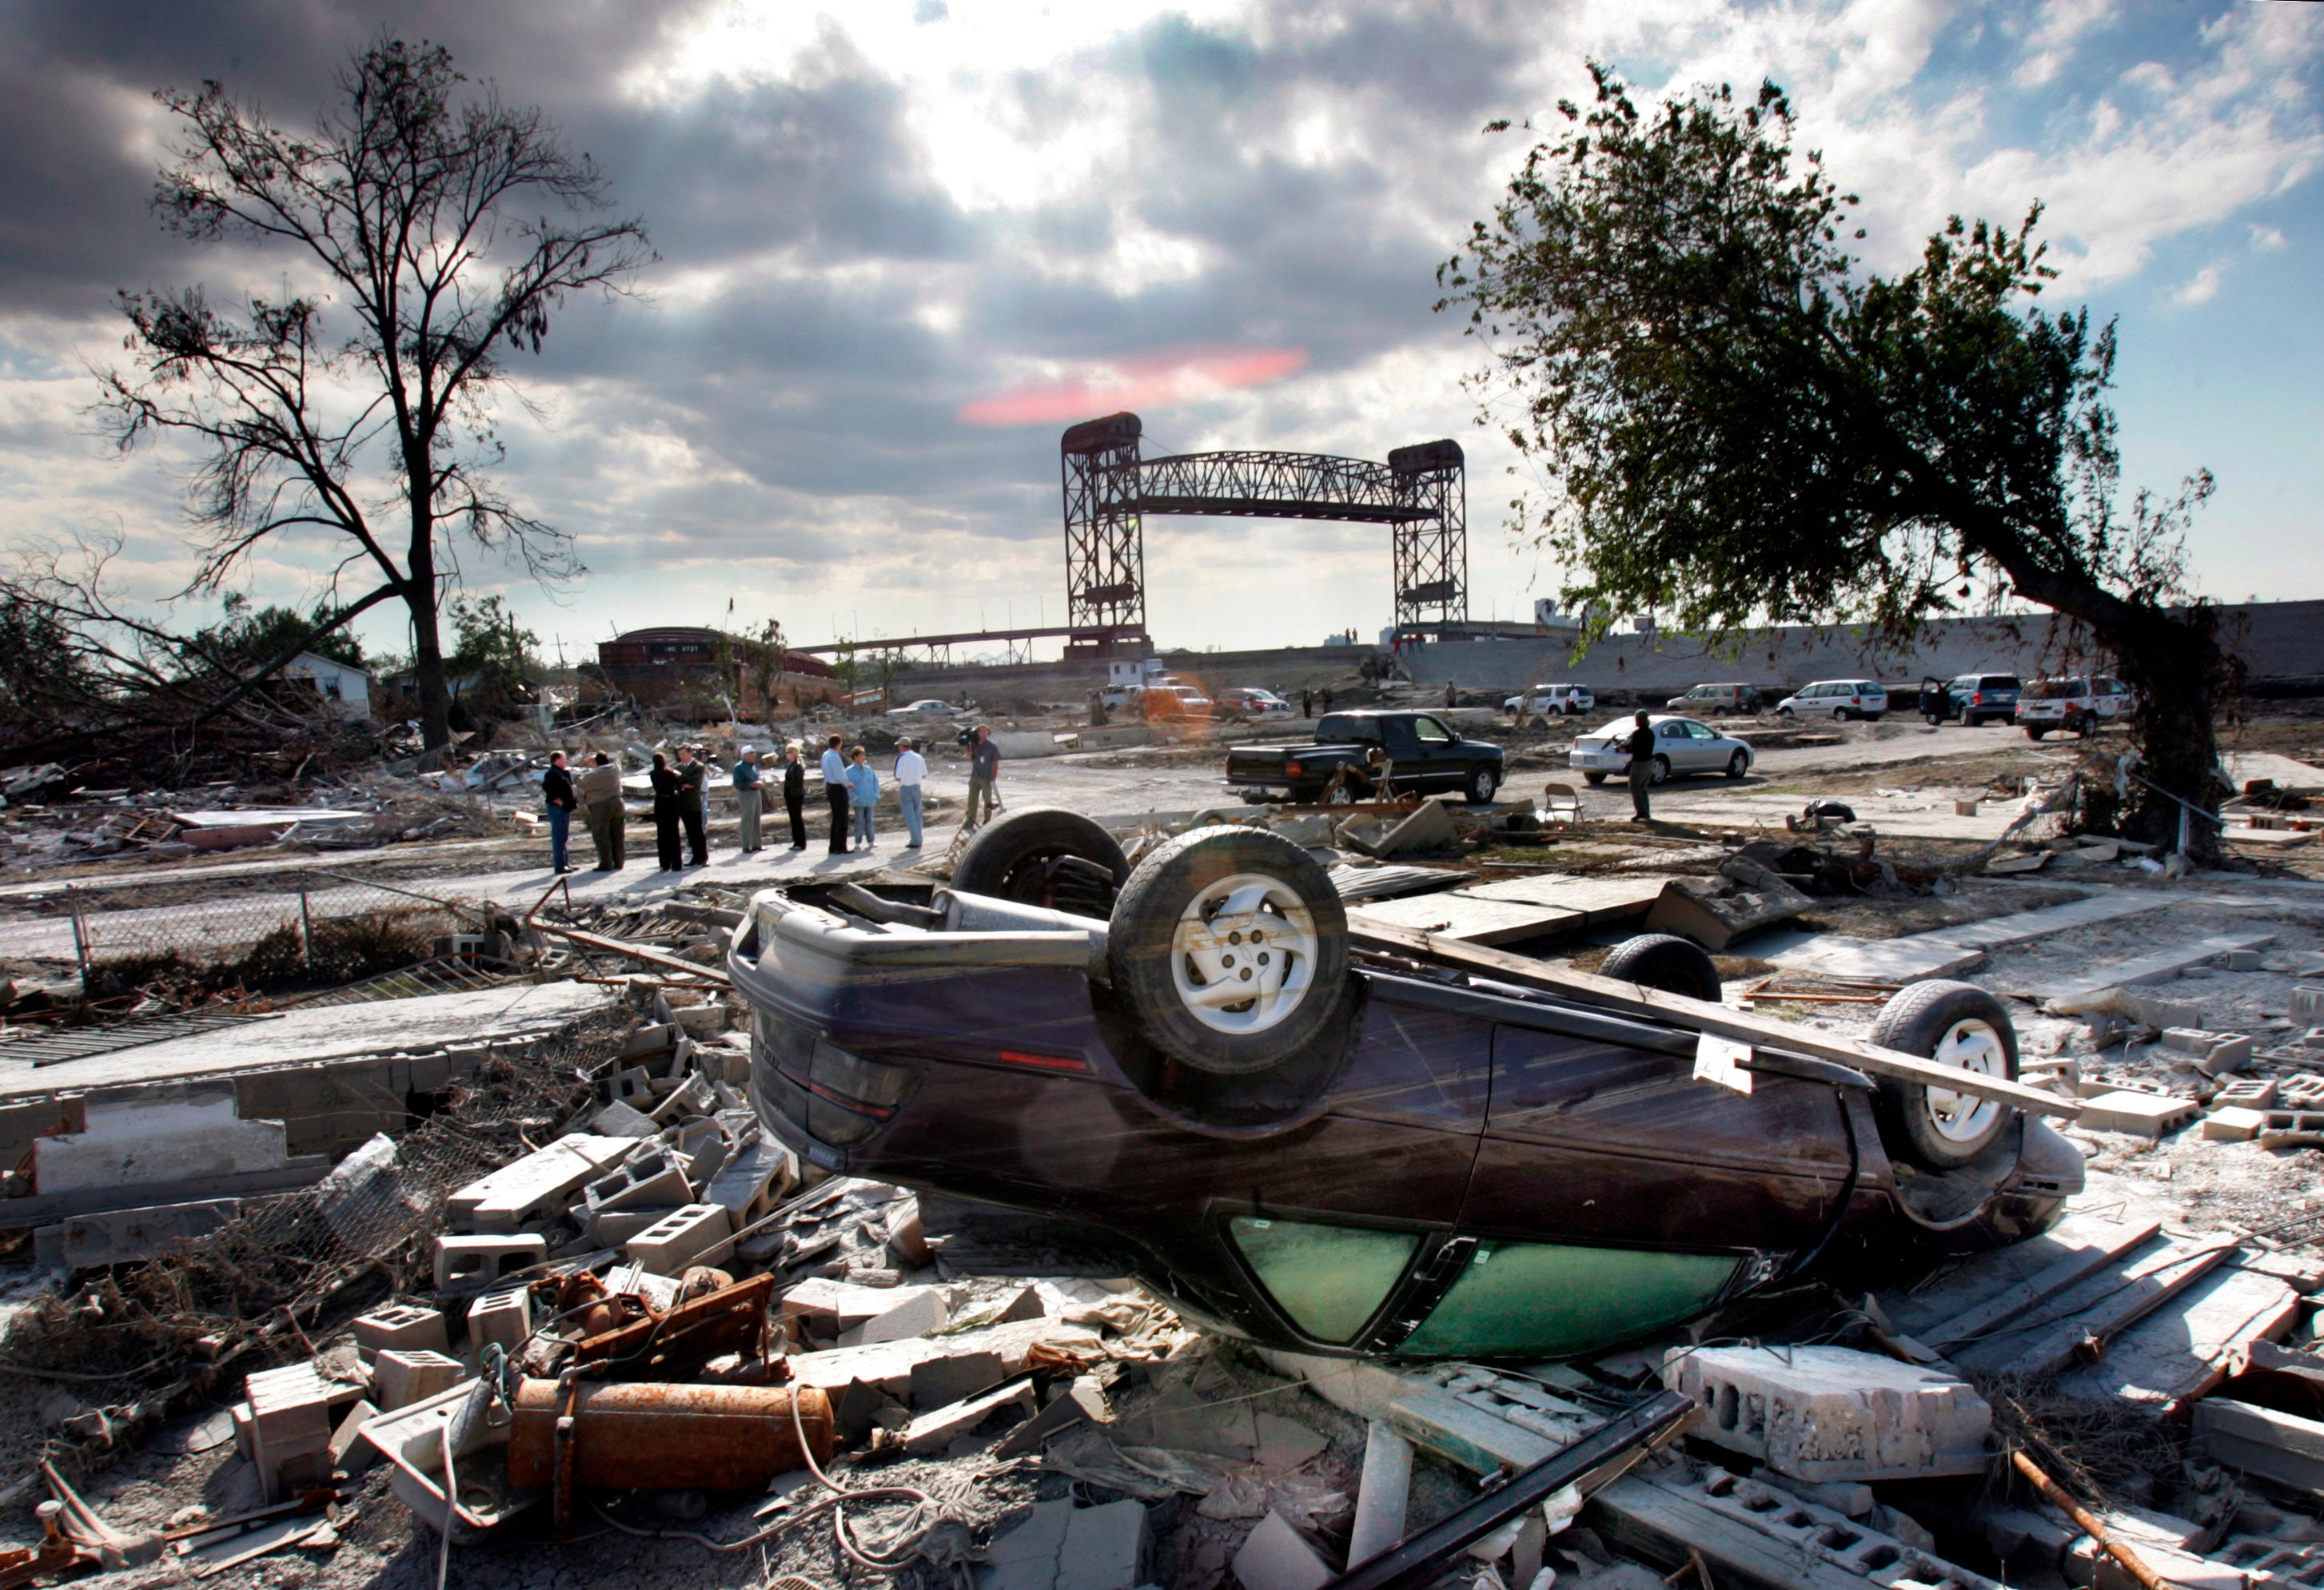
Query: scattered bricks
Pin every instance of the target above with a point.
(1276, 1556)
(405, 1378)
(658, 1292)
(921, 1311)
(503, 1316)
(614, 1227)
(2307, 1002)
(692, 1097)
(2239, 960)
(933, 1432)
(2142, 1115)
(630, 1087)
(1833, 1413)
(833, 1308)
(2099, 1082)
(404, 1328)
(517, 1195)
(348, 1455)
(937, 1383)
(2234, 1124)
(2249, 1093)
(2148, 1010)
(2304, 1091)
(1082, 1402)
(703, 1145)
(2213, 1052)
(2293, 1120)
(472, 1263)
(671, 1244)
(703, 1021)
(750, 1182)
(649, 1178)
(619, 1120)
(288, 1407)
(2188, 1040)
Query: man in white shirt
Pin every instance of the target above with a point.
(834, 793)
(911, 769)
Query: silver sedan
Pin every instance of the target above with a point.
(1681, 745)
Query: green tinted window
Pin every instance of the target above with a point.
(1536, 1298)
(1329, 1278)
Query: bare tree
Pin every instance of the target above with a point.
(365, 407)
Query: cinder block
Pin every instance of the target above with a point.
(754, 1182)
(2304, 1091)
(518, 1194)
(692, 1097)
(620, 1120)
(2188, 1040)
(405, 1378)
(2234, 1124)
(2307, 1002)
(349, 1455)
(404, 1328)
(2248, 1093)
(614, 1227)
(2142, 1115)
(503, 1316)
(833, 1308)
(288, 1406)
(1832, 1413)
(630, 1087)
(649, 1178)
(2239, 960)
(672, 1243)
(658, 1292)
(2153, 1011)
(474, 1264)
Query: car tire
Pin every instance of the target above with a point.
(1840, 714)
(1339, 795)
(2035, 731)
(1660, 775)
(1593, 779)
(1162, 953)
(1931, 719)
(1738, 764)
(1665, 961)
(1482, 782)
(1784, 713)
(1959, 1023)
(1017, 856)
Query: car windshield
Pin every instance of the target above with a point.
(1339, 727)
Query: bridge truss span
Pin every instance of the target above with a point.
(1421, 492)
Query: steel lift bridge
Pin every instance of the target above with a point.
(1421, 492)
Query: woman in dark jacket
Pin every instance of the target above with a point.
(668, 793)
(795, 793)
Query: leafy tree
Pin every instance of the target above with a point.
(256, 637)
(1735, 423)
(487, 641)
(445, 234)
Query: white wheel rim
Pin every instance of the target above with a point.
(1973, 1046)
(1243, 955)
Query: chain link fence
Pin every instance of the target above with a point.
(311, 923)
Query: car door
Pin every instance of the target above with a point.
(1704, 752)
(1613, 1194)
(1671, 744)
(1435, 752)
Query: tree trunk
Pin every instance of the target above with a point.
(427, 654)
(2177, 672)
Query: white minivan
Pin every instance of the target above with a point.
(1840, 700)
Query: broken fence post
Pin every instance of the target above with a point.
(1419, 1560)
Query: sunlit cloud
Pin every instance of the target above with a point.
(1157, 380)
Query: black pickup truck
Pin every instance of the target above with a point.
(1427, 756)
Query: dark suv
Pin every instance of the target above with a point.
(1973, 698)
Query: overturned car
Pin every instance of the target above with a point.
(1308, 1134)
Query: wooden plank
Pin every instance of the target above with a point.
(2103, 1307)
(2184, 1348)
(1700, 1015)
(2280, 1447)
(2070, 1271)
(1473, 921)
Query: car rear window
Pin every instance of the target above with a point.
(1998, 682)
(1339, 727)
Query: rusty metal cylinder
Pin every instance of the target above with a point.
(652, 1435)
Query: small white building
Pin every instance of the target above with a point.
(344, 687)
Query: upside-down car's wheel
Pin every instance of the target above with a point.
(1230, 947)
(1956, 1024)
(1044, 856)
(1665, 961)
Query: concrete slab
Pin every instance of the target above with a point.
(2146, 969)
(2142, 1115)
(1945, 950)
(537, 1184)
(1833, 1413)
(125, 1235)
(1465, 917)
(2185, 1347)
(177, 1134)
(1601, 900)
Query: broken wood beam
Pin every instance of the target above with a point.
(644, 954)
(1703, 1015)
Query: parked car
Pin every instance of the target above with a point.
(1716, 698)
(1174, 703)
(2079, 705)
(1973, 698)
(1252, 701)
(1840, 700)
(931, 708)
(1681, 745)
(1542, 700)
(1427, 756)
(1199, 1080)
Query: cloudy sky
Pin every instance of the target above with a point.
(904, 240)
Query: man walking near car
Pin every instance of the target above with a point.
(983, 773)
(693, 777)
(912, 772)
(600, 789)
(746, 796)
(1641, 746)
(834, 793)
(556, 793)
(794, 793)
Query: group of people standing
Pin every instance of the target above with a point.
(682, 799)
